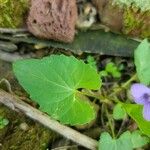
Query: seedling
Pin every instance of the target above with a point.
(3, 122)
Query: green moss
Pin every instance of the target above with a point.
(146, 33)
(130, 22)
(12, 137)
(144, 5)
(12, 12)
(136, 23)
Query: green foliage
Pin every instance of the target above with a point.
(138, 140)
(103, 73)
(91, 61)
(54, 81)
(3, 122)
(127, 141)
(12, 13)
(111, 69)
(122, 143)
(119, 112)
(135, 112)
(142, 62)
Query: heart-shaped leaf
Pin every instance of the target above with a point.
(138, 140)
(54, 81)
(127, 141)
(119, 112)
(142, 56)
(108, 143)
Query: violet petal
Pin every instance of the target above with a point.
(146, 112)
(138, 91)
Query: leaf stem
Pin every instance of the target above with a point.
(124, 85)
(107, 99)
(122, 126)
(101, 98)
(111, 124)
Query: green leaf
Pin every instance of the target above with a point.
(119, 112)
(126, 141)
(103, 73)
(138, 140)
(113, 70)
(54, 81)
(142, 57)
(135, 112)
(91, 61)
(108, 143)
(3, 122)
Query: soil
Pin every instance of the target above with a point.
(21, 133)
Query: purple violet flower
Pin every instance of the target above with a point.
(141, 95)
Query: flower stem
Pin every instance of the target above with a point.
(127, 83)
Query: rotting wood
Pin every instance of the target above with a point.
(14, 103)
(11, 57)
(13, 31)
(8, 46)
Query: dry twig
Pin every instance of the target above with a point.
(16, 104)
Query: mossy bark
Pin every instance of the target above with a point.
(12, 137)
(12, 13)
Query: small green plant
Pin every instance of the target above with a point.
(127, 141)
(61, 85)
(3, 122)
(91, 61)
(111, 69)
